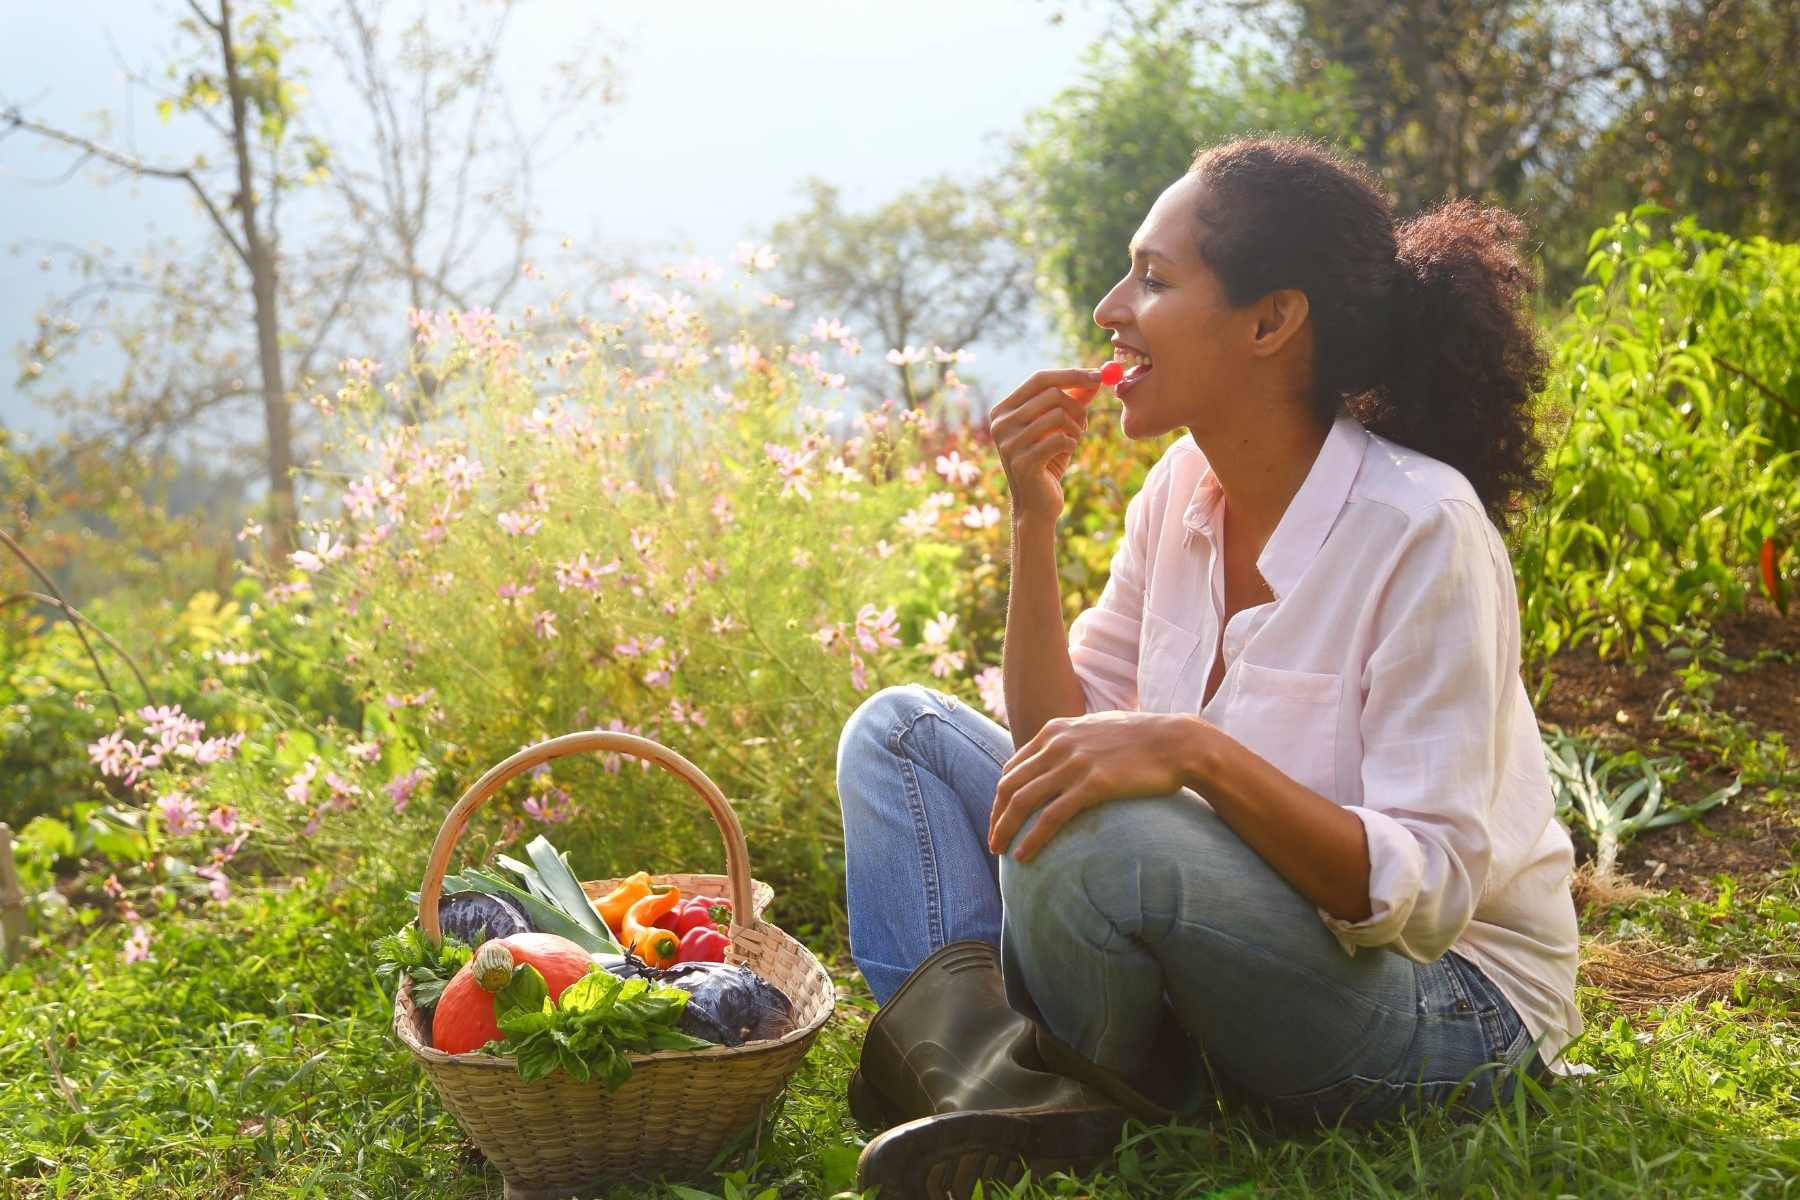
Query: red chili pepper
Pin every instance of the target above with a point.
(1771, 579)
(702, 944)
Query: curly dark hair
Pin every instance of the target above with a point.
(1422, 329)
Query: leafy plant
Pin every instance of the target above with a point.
(1674, 365)
(1612, 812)
(590, 1029)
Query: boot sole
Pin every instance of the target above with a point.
(941, 1158)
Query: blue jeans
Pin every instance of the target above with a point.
(1141, 911)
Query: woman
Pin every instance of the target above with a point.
(1282, 784)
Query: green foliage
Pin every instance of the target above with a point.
(588, 1031)
(1678, 459)
(1712, 132)
(406, 954)
(1093, 160)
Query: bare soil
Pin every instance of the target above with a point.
(1751, 836)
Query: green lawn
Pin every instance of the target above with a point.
(252, 1057)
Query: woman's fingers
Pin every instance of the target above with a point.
(1014, 805)
(1052, 420)
(1042, 381)
(1074, 800)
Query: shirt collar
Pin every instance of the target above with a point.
(1310, 514)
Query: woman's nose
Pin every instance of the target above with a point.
(1110, 312)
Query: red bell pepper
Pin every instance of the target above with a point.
(700, 912)
(702, 944)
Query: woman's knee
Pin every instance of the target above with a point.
(1145, 863)
(872, 726)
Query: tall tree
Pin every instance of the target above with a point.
(416, 188)
(234, 81)
(1092, 160)
(933, 266)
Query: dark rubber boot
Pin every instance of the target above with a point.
(975, 1090)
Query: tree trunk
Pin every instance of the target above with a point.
(263, 279)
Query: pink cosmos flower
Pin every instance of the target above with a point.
(324, 552)
(551, 809)
(919, 522)
(520, 524)
(544, 624)
(224, 819)
(754, 258)
(984, 517)
(905, 357)
(221, 887)
(111, 753)
(424, 324)
(137, 946)
(721, 510)
(299, 784)
(992, 686)
(956, 469)
(368, 752)
(792, 466)
(685, 714)
(401, 790)
(876, 628)
(938, 630)
(859, 674)
(180, 816)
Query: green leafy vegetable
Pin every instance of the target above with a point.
(588, 1033)
(407, 954)
(544, 917)
(560, 881)
(533, 881)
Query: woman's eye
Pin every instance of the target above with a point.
(1148, 282)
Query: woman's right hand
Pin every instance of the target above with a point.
(1035, 430)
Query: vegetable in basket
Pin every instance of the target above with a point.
(728, 1004)
(465, 1019)
(696, 912)
(702, 944)
(613, 906)
(640, 934)
(474, 917)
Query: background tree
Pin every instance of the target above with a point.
(422, 193)
(1711, 131)
(936, 265)
(1091, 162)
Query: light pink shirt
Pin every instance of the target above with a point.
(1384, 676)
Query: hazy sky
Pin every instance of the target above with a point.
(726, 106)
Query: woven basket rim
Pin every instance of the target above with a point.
(474, 1058)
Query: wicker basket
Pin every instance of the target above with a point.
(552, 1138)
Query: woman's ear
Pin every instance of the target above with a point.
(1279, 316)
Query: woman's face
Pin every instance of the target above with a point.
(1171, 307)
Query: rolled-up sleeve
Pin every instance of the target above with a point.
(1436, 724)
(1103, 640)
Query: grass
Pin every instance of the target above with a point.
(253, 1058)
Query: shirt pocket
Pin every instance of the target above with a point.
(1165, 664)
(1291, 719)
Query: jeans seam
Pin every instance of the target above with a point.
(915, 803)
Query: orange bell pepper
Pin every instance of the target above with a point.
(657, 947)
(613, 906)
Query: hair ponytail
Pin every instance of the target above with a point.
(1422, 330)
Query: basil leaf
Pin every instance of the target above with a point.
(526, 991)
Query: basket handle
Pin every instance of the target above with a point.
(737, 854)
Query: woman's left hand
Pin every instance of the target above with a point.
(1075, 763)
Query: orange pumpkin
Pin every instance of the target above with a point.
(464, 1019)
